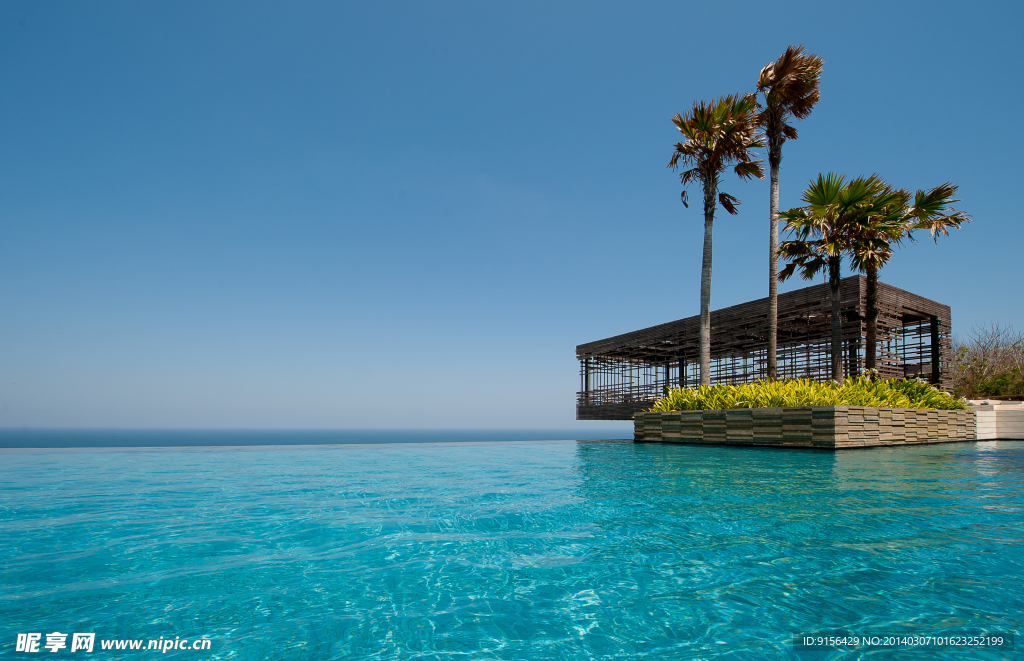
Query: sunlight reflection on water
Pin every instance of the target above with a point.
(559, 550)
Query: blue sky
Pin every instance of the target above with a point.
(383, 214)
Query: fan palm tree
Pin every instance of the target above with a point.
(889, 219)
(790, 89)
(822, 230)
(717, 135)
(873, 235)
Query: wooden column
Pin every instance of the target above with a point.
(586, 380)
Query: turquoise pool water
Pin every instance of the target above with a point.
(512, 550)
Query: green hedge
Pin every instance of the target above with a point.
(860, 391)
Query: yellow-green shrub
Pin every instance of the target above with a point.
(860, 391)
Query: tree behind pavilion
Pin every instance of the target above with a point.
(822, 229)
(891, 217)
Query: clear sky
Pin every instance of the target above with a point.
(385, 214)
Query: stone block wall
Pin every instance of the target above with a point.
(999, 420)
(827, 427)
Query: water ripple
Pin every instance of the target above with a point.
(513, 550)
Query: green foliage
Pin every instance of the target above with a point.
(860, 391)
(989, 363)
(864, 217)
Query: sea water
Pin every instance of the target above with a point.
(511, 550)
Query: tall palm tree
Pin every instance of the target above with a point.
(890, 218)
(822, 231)
(790, 89)
(718, 134)
(872, 238)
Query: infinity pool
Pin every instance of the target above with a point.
(511, 550)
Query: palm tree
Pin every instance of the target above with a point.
(822, 229)
(790, 89)
(889, 219)
(872, 239)
(718, 134)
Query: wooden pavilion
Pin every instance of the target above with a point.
(622, 375)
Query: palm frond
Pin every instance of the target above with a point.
(728, 202)
(787, 272)
(790, 87)
(825, 190)
(749, 170)
(689, 176)
(932, 210)
(808, 256)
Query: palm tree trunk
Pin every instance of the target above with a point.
(774, 159)
(710, 191)
(871, 305)
(834, 264)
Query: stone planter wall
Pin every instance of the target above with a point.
(827, 427)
